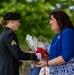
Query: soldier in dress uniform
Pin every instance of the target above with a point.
(10, 51)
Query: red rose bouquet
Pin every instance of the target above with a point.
(38, 45)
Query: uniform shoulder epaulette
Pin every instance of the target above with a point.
(10, 31)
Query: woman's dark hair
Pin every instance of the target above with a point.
(62, 19)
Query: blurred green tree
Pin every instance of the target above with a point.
(35, 15)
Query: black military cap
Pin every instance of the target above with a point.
(12, 16)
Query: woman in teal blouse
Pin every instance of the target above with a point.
(61, 59)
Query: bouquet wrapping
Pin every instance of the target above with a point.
(38, 45)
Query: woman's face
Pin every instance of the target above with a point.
(16, 24)
(54, 25)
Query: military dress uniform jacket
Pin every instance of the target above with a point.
(10, 53)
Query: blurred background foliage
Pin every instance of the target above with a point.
(35, 16)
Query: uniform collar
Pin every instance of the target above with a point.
(8, 28)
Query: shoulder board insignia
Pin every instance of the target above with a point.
(10, 31)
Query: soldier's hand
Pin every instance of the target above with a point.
(31, 51)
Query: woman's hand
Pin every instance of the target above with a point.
(41, 64)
